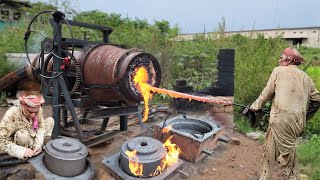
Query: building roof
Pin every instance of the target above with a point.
(257, 30)
(16, 3)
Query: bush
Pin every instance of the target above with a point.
(313, 125)
(11, 41)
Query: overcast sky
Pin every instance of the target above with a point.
(196, 15)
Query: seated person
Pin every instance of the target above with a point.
(23, 128)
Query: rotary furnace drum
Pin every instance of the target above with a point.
(107, 73)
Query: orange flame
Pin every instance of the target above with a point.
(170, 159)
(135, 167)
(141, 82)
(167, 129)
(173, 152)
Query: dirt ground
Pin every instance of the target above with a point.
(228, 162)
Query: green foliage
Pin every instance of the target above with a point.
(11, 41)
(196, 62)
(308, 154)
(163, 26)
(12, 35)
(313, 125)
(242, 124)
(261, 139)
(311, 56)
(255, 60)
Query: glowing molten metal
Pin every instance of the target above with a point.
(140, 80)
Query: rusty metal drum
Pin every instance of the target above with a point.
(108, 72)
(150, 153)
(65, 157)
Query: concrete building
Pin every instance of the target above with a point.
(305, 36)
(10, 10)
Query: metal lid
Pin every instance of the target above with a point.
(150, 154)
(66, 148)
(148, 149)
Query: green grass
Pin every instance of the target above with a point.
(311, 56)
(308, 156)
(314, 73)
(313, 126)
(242, 125)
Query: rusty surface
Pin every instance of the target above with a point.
(12, 78)
(107, 73)
(100, 63)
(191, 150)
(192, 147)
(108, 70)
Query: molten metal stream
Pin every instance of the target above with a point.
(141, 82)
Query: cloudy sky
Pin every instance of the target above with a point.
(196, 15)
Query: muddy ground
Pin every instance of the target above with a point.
(228, 162)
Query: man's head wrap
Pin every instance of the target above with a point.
(292, 56)
(31, 101)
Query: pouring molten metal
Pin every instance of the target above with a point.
(140, 80)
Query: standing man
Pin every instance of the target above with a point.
(23, 128)
(293, 92)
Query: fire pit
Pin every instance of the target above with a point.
(141, 157)
(195, 136)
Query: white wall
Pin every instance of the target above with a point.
(310, 36)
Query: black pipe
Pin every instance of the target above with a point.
(9, 160)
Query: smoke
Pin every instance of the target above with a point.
(34, 42)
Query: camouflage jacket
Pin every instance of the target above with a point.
(14, 120)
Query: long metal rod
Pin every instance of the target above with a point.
(71, 108)
(56, 89)
(241, 105)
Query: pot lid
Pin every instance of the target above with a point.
(66, 148)
(148, 149)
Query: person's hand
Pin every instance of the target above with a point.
(28, 153)
(246, 110)
(36, 151)
(252, 110)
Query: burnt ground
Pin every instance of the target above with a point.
(228, 162)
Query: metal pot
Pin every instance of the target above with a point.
(65, 157)
(150, 153)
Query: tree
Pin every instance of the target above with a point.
(163, 26)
